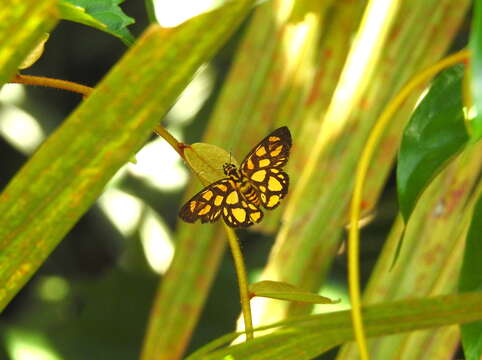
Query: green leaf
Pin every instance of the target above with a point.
(105, 15)
(207, 161)
(470, 280)
(23, 24)
(307, 337)
(284, 291)
(434, 134)
(475, 44)
(69, 171)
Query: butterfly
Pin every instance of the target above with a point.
(259, 181)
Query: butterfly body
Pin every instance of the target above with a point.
(259, 181)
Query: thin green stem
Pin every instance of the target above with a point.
(242, 281)
(362, 169)
(151, 13)
(86, 91)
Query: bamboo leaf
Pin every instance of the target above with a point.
(435, 133)
(470, 280)
(23, 23)
(284, 291)
(476, 67)
(306, 337)
(69, 171)
(105, 15)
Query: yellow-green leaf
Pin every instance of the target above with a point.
(284, 291)
(207, 161)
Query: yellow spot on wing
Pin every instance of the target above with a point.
(255, 216)
(207, 195)
(273, 200)
(259, 175)
(274, 138)
(218, 200)
(232, 198)
(239, 214)
(260, 151)
(276, 151)
(222, 187)
(274, 184)
(249, 164)
(192, 205)
(264, 162)
(205, 210)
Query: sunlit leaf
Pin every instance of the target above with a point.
(35, 54)
(307, 337)
(207, 161)
(283, 291)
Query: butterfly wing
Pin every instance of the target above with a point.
(221, 197)
(207, 204)
(263, 167)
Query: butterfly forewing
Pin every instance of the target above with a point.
(263, 166)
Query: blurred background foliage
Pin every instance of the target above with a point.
(92, 297)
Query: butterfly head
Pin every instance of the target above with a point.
(229, 169)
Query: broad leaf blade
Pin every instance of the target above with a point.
(435, 133)
(307, 337)
(470, 280)
(105, 15)
(476, 67)
(69, 171)
(284, 291)
(207, 160)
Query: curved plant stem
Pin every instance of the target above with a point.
(86, 91)
(242, 281)
(53, 83)
(378, 129)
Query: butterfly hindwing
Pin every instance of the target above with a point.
(272, 185)
(263, 166)
(221, 198)
(237, 211)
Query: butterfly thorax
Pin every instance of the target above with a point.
(242, 183)
(231, 171)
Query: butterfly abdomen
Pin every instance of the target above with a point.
(249, 192)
